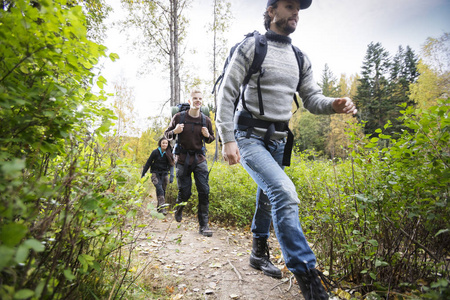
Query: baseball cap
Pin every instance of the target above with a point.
(304, 4)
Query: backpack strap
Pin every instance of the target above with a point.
(299, 57)
(258, 58)
(227, 61)
(182, 117)
(203, 119)
(182, 121)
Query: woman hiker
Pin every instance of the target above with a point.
(161, 164)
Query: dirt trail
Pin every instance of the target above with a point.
(210, 267)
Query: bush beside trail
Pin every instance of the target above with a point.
(378, 220)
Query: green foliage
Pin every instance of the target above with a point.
(231, 199)
(232, 195)
(379, 219)
(385, 211)
(372, 91)
(64, 198)
(45, 67)
(323, 134)
(385, 85)
(434, 69)
(310, 131)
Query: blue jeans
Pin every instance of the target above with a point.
(276, 199)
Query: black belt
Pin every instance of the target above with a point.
(161, 172)
(245, 123)
(188, 158)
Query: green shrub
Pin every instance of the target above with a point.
(65, 196)
(232, 195)
(379, 219)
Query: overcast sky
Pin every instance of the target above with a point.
(336, 32)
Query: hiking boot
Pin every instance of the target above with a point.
(161, 207)
(179, 212)
(205, 231)
(260, 258)
(311, 285)
(202, 215)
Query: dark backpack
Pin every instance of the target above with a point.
(182, 108)
(186, 106)
(259, 56)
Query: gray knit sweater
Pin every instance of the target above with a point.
(278, 86)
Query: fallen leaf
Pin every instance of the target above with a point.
(170, 289)
(215, 265)
(343, 294)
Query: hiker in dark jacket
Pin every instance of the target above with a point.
(194, 129)
(161, 164)
(244, 143)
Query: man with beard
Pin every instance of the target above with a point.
(257, 134)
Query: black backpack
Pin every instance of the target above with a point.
(182, 108)
(185, 106)
(259, 56)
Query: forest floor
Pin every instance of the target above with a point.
(183, 264)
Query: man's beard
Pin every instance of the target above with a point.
(283, 24)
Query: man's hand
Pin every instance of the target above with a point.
(231, 153)
(178, 129)
(344, 106)
(205, 132)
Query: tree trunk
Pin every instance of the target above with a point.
(172, 54)
(215, 51)
(176, 65)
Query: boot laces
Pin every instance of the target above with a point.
(266, 249)
(312, 279)
(325, 279)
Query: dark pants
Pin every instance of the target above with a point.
(160, 181)
(184, 181)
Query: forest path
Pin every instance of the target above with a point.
(192, 266)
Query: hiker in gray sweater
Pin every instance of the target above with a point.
(257, 136)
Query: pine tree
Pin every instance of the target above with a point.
(371, 93)
(329, 83)
(403, 73)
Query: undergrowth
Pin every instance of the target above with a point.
(378, 221)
